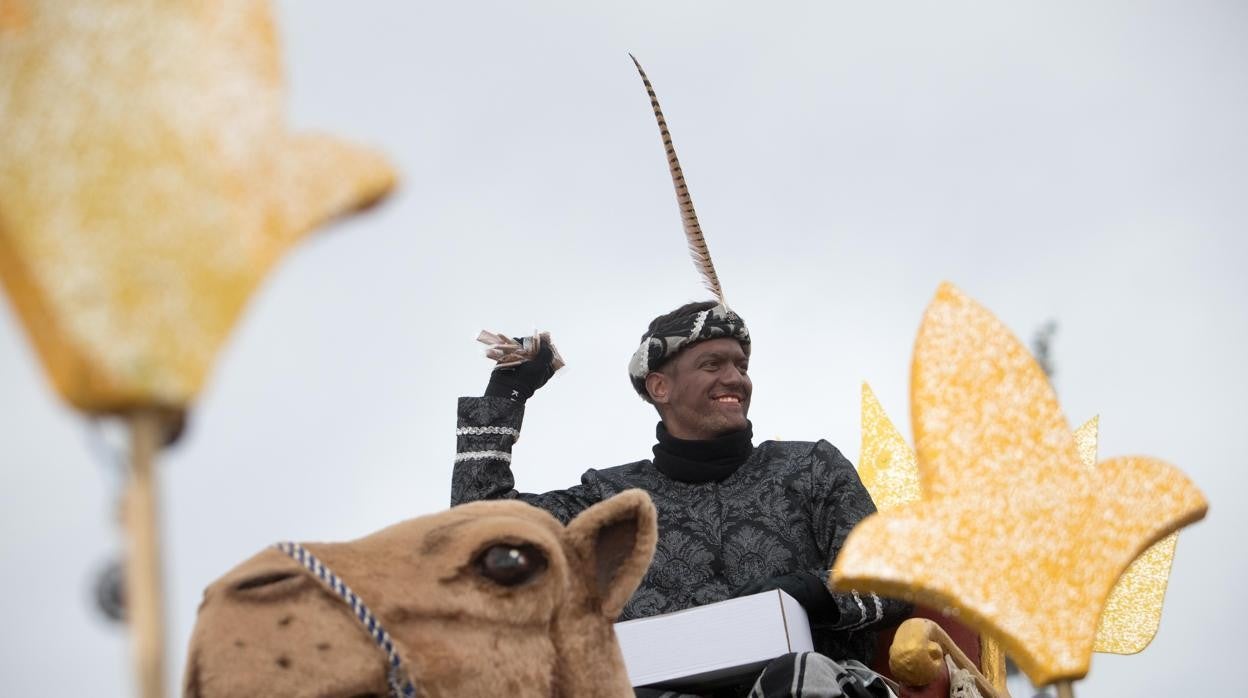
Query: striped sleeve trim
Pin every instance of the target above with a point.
(494, 431)
(866, 619)
(483, 455)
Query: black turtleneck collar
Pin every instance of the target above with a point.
(703, 460)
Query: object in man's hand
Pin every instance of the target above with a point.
(524, 365)
(513, 351)
(715, 643)
(806, 588)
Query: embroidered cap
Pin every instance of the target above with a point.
(667, 339)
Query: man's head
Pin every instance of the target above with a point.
(692, 365)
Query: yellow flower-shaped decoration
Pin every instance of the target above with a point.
(148, 182)
(890, 470)
(1014, 532)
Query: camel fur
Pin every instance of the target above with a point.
(269, 627)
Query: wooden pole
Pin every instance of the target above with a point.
(144, 597)
(1065, 689)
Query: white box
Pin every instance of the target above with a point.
(714, 642)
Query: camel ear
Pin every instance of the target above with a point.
(612, 543)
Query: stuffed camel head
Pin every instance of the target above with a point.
(484, 599)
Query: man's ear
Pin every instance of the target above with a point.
(659, 387)
(612, 543)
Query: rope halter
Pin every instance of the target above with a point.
(397, 676)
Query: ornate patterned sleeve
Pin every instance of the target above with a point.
(840, 501)
(486, 430)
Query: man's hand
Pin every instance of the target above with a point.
(519, 382)
(808, 589)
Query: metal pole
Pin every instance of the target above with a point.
(144, 597)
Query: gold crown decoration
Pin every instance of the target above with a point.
(890, 471)
(148, 182)
(1014, 533)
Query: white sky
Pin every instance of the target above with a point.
(1086, 162)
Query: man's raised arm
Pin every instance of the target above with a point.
(487, 428)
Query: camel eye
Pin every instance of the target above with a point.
(511, 565)
(264, 580)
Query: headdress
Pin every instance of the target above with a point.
(663, 341)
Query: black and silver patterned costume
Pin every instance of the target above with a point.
(787, 508)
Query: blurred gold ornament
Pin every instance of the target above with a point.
(1132, 615)
(887, 465)
(890, 471)
(1133, 610)
(1014, 532)
(148, 182)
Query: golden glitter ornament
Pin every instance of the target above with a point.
(148, 182)
(1015, 533)
(890, 471)
(1133, 610)
(887, 465)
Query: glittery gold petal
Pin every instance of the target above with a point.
(1132, 612)
(148, 183)
(1030, 568)
(327, 177)
(886, 463)
(1086, 440)
(983, 412)
(889, 470)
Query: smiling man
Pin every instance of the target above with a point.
(734, 518)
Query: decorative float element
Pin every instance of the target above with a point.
(1014, 532)
(889, 469)
(148, 182)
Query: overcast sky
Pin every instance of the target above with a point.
(1083, 162)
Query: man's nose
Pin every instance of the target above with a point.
(732, 376)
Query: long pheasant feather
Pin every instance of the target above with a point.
(693, 232)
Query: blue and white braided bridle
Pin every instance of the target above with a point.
(401, 685)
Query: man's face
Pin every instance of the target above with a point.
(704, 391)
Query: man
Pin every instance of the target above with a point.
(734, 518)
